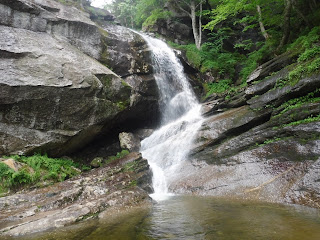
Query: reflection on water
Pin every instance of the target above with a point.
(199, 218)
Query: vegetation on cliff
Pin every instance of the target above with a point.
(37, 170)
(238, 37)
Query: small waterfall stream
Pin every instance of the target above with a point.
(168, 146)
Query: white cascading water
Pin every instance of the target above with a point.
(168, 146)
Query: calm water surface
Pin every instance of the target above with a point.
(199, 218)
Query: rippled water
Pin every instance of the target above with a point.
(199, 218)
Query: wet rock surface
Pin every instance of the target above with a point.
(122, 183)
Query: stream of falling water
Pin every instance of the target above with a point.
(168, 146)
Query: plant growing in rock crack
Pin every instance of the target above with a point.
(35, 170)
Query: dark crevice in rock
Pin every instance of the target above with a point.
(279, 95)
(8, 54)
(233, 132)
(22, 6)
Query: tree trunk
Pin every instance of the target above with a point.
(131, 21)
(197, 32)
(194, 23)
(301, 15)
(286, 25)
(262, 28)
(200, 26)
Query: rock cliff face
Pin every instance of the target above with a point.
(55, 96)
(261, 143)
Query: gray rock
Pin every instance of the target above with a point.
(129, 141)
(96, 162)
(266, 84)
(221, 127)
(104, 189)
(306, 191)
(273, 65)
(280, 95)
(126, 52)
(40, 94)
(143, 133)
(55, 98)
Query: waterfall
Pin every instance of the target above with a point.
(168, 146)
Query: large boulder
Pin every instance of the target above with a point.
(129, 141)
(55, 97)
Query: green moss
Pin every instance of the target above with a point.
(275, 139)
(309, 58)
(255, 59)
(106, 80)
(130, 166)
(155, 15)
(122, 105)
(125, 84)
(71, 3)
(103, 32)
(303, 121)
(133, 183)
(119, 155)
(298, 102)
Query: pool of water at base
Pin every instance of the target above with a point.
(197, 218)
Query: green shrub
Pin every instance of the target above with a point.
(155, 15)
(5, 175)
(218, 87)
(309, 54)
(37, 168)
(119, 155)
(254, 60)
(303, 121)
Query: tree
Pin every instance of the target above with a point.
(286, 24)
(124, 10)
(190, 7)
(263, 12)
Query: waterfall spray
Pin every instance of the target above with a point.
(168, 146)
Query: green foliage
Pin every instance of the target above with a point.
(309, 54)
(130, 166)
(245, 45)
(36, 169)
(223, 11)
(253, 60)
(298, 102)
(303, 121)
(155, 15)
(119, 155)
(218, 87)
(5, 177)
(306, 41)
(208, 58)
(281, 82)
(275, 139)
(303, 70)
